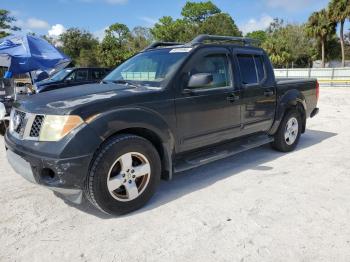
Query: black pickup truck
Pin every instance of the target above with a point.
(170, 108)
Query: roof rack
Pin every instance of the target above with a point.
(202, 38)
(158, 44)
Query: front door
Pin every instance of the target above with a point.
(208, 114)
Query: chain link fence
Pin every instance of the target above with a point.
(325, 76)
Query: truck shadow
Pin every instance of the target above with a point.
(201, 177)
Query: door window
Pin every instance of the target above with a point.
(216, 65)
(81, 75)
(252, 69)
(97, 74)
(260, 68)
(248, 70)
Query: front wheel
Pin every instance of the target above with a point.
(3, 127)
(289, 131)
(124, 175)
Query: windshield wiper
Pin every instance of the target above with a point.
(127, 82)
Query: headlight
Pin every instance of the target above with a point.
(55, 128)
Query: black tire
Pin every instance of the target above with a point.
(280, 142)
(3, 127)
(96, 189)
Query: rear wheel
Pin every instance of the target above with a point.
(124, 175)
(289, 131)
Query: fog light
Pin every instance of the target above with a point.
(47, 175)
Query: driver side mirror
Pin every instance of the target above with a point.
(68, 79)
(200, 80)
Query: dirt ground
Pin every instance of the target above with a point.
(258, 206)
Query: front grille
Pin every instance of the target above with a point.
(26, 125)
(19, 122)
(36, 127)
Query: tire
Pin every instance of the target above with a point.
(284, 140)
(108, 185)
(3, 127)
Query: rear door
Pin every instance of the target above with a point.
(257, 93)
(209, 114)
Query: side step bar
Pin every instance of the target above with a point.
(219, 152)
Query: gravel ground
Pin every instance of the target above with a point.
(258, 206)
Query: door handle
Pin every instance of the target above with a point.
(268, 93)
(187, 91)
(232, 98)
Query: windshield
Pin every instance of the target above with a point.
(60, 75)
(153, 68)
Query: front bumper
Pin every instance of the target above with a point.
(63, 175)
(24, 168)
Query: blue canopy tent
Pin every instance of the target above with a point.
(26, 53)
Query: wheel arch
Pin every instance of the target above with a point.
(145, 124)
(155, 139)
(291, 100)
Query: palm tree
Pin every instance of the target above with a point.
(339, 11)
(319, 26)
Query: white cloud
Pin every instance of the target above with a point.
(149, 20)
(256, 24)
(100, 34)
(291, 6)
(56, 30)
(34, 23)
(31, 23)
(19, 22)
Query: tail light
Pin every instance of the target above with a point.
(317, 90)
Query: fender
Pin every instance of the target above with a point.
(111, 122)
(288, 100)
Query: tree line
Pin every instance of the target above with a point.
(288, 44)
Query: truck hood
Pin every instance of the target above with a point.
(42, 85)
(78, 98)
(46, 82)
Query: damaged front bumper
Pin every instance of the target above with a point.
(65, 176)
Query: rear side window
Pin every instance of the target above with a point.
(248, 70)
(81, 75)
(260, 67)
(252, 68)
(97, 74)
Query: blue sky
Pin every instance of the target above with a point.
(53, 16)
